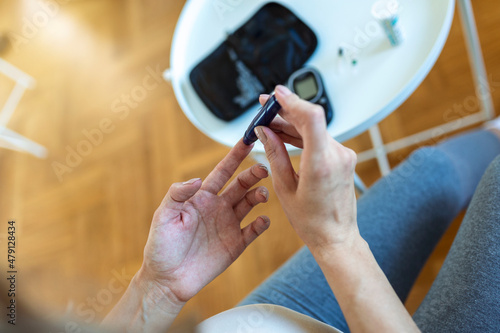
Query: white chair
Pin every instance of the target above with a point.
(8, 138)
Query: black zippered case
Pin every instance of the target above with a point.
(260, 54)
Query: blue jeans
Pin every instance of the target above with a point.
(402, 217)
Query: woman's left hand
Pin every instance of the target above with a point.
(196, 234)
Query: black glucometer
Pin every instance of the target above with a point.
(308, 85)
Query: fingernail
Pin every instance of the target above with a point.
(263, 167)
(260, 134)
(264, 193)
(283, 91)
(191, 181)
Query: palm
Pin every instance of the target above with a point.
(193, 241)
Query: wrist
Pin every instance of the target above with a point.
(156, 295)
(145, 307)
(337, 253)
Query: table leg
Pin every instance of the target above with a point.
(380, 153)
(483, 93)
(476, 59)
(359, 184)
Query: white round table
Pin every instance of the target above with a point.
(362, 95)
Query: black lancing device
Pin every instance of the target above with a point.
(265, 116)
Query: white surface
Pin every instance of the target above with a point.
(383, 79)
(385, 9)
(263, 318)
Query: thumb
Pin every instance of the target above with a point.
(277, 155)
(179, 193)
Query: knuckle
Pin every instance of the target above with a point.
(271, 154)
(316, 114)
(351, 156)
(317, 110)
(349, 159)
(249, 201)
(223, 171)
(296, 106)
(174, 188)
(243, 182)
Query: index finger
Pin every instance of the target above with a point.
(307, 118)
(226, 168)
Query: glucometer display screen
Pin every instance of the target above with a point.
(306, 87)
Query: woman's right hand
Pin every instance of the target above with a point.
(321, 205)
(320, 200)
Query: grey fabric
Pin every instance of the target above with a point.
(465, 297)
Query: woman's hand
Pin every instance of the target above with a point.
(196, 233)
(320, 202)
(321, 205)
(195, 236)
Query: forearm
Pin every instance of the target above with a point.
(367, 299)
(143, 308)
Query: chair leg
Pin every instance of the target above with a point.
(12, 140)
(11, 104)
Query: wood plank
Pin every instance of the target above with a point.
(76, 233)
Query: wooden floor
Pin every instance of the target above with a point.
(81, 237)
